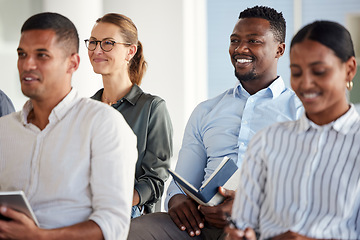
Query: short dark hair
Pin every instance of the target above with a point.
(64, 29)
(331, 34)
(276, 20)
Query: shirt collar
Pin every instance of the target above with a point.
(273, 90)
(134, 94)
(343, 124)
(58, 112)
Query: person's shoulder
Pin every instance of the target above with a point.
(2, 93)
(13, 118)
(275, 127)
(148, 101)
(289, 96)
(4, 99)
(208, 105)
(96, 108)
(10, 117)
(149, 97)
(99, 114)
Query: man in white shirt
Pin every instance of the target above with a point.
(73, 157)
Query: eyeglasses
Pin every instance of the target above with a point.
(105, 45)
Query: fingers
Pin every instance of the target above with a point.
(3, 214)
(216, 215)
(13, 215)
(234, 233)
(186, 216)
(185, 220)
(226, 193)
(6, 212)
(249, 234)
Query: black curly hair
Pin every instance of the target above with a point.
(276, 20)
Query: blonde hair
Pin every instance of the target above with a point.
(128, 30)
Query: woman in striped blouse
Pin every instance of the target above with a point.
(301, 179)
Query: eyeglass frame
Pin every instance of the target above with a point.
(98, 41)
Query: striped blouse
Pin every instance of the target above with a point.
(301, 177)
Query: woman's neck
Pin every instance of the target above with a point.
(115, 88)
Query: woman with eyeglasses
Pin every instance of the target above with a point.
(116, 53)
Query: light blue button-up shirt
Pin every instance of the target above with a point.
(223, 126)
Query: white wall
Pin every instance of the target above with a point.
(173, 34)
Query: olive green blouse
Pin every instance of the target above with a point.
(148, 117)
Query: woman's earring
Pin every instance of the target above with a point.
(349, 85)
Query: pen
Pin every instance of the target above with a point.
(231, 222)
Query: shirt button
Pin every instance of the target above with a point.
(242, 144)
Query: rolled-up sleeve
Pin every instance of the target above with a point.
(113, 159)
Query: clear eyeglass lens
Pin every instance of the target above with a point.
(92, 45)
(107, 45)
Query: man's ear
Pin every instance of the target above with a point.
(73, 63)
(280, 50)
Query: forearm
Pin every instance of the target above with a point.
(136, 198)
(88, 230)
(151, 176)
(155, 160)
(149, 188)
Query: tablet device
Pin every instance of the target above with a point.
(17, 201)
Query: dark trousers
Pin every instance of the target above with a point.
(159, 226)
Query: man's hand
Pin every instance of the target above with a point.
(19, 227)
(185, 214)
(237, 234)
(216, 216)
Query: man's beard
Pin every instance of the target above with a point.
(247, 76)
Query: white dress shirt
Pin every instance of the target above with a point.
(79, 167)
(301, 177)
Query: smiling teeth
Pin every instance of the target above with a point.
(28, 78)
(243, 60)
(310, 95)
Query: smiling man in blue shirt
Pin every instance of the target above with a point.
(224, 125)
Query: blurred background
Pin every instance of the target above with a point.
(185, 43)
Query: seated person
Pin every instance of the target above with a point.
(300, 179)
(122, 67)
(73, 157)
(6, 105)
(223, 126)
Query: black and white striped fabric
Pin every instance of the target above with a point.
(301, 177)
